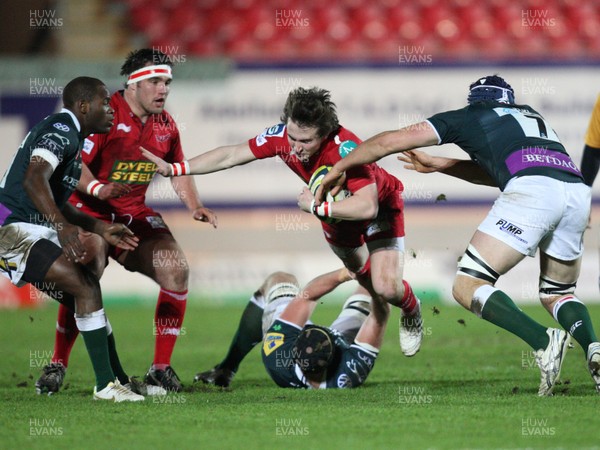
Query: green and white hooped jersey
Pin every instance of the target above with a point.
(507, 141)
(58, 141)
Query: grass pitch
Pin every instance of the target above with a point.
(471, 386)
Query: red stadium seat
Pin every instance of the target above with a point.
(373, 31)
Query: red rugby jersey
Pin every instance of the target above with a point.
(273, 142)
(116, 156)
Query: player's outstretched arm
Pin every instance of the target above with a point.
(375, 148)
(372, 330)
(220, 158)
(459, 168)
(301, 308)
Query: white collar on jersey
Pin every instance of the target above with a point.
(75, 121)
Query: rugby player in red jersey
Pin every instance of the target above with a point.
(369, 239)
(117, 167)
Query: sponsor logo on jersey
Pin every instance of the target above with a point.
(344, 381)
(276, 130)
(133, 172)
(123, 127)
(88, 145)
(272, 342)
(509, 228)
(162, 137)
(366, 359)
(61, 126)
(53, 142)
(346, 147)
(352, 366)
(70, 181)
(7, 266)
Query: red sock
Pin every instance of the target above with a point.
(409, 303)
(168, 318)
(66, 334)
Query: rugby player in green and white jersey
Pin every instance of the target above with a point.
(544, 204)
(39, 234)
(299, 354)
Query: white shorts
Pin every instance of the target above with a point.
(16, 241)
(541, 212)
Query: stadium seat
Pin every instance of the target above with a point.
(464, 29)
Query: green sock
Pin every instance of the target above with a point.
(248, 334)
(115, 363)
(575, 318)
(500, 310)
(96, 344)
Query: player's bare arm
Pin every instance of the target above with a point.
(89, 185)
(375, 148)
(463, 169)
(115, 234)
(215, 160)
(361, 205)
(301, 308)
(188, 193)
(371, 332)
(37, 186)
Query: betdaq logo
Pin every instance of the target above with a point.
(508, 227)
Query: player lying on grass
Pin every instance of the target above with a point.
(544, 204)
(39, 234)
(369, 234)
(297, 353)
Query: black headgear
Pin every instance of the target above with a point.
(314, 349)
(491, 87)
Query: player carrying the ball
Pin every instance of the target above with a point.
(544, 204)
(369, 239)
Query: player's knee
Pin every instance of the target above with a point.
(97, 266)
(174, 275)
(473, 271)
(388, 289)
(463, 289)
(281, 277)
(85, 285)
(457, 290)
(551, 290)
(276, 278)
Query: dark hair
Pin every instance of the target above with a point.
(491, 87)
(140, 58)
(80, 88)
(314, 349)
(311, 108)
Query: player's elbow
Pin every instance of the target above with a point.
(370, 211)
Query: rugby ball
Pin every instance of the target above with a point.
(315, 182)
